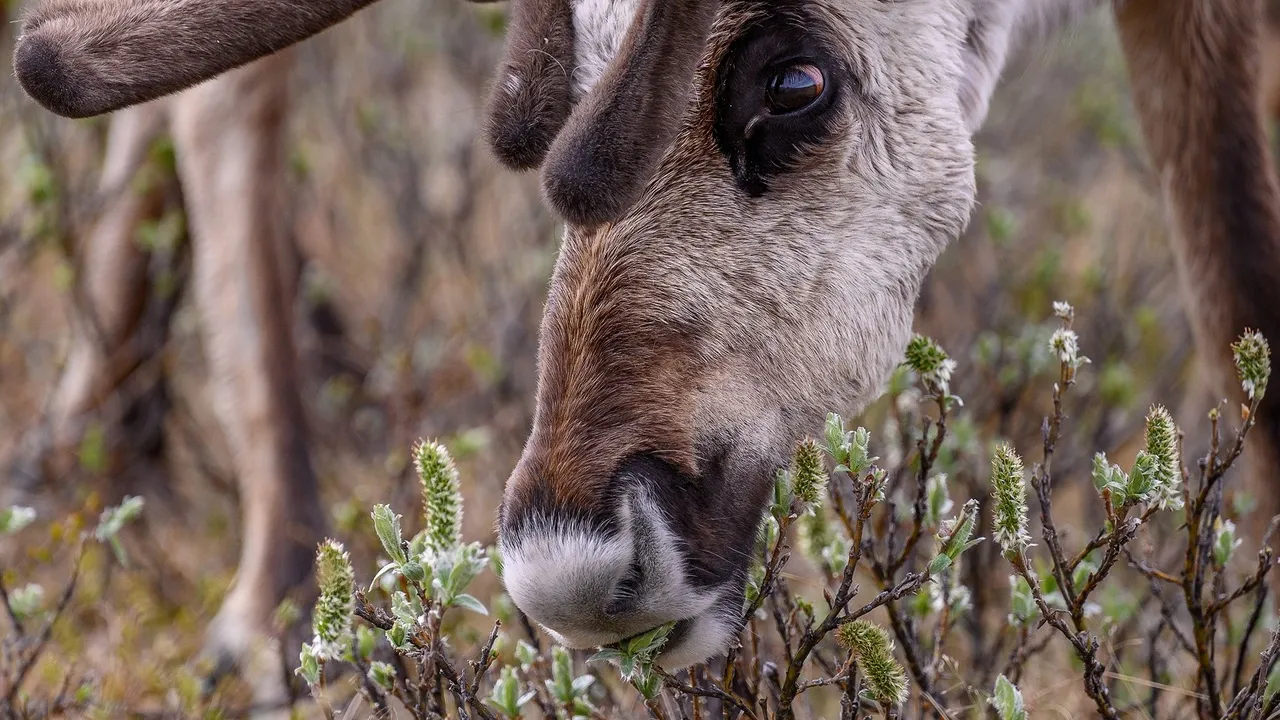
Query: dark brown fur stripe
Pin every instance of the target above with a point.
(611, 146)
(80, 58)
(612, 385)
(531, 98)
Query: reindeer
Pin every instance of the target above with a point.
(753, 192)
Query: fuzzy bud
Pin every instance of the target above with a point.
(331, 619)
(808, 474)
(930, 362)
(441, 495)
(26, 601)
(1159, 464)
(1065, 344)
(1225, 541)
(1110, 478)
(872, 648)
(1253, 363)
(1010, 510)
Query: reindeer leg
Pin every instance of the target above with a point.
(1196, 79)
(110, 299)
(230, 140)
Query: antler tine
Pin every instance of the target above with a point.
(599, 164)
(80, 59)
(531, 96)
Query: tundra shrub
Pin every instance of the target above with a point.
(891, 552)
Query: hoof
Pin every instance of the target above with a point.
(244, 638)
(26, 471)
(235, 645)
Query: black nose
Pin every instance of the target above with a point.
(714, 516)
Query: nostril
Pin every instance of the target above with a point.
(628, 590)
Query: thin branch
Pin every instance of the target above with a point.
(673, 683)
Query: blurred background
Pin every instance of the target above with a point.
(424, 268)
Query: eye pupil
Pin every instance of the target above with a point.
(794, 88)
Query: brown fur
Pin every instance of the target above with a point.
(80, 58)
(584, 426)
(1196, 83)
(599, 164)
(531, 97)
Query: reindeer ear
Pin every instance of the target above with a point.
(994, 29)
(982, 56)
(80, 59)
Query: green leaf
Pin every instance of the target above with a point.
(860, 457)
(414, 572)
(366, 641)
(92, 452)
(406, 608)
(649, 685)
(381, 571)
(606, 655)
(938, 502)
(382, 674)
(526, 654)
(1022, 604)
(13, 519)
(418, 545)
(117, 549)
(470, 603)
(1224, 541)
(398, 636)
(1082, 572)
(113, 519)
(1007, 700)
(309, 665)
(387, 525)
(561, 683)
(838, 440)
(939, 564)
(650, 641)
(506, 695)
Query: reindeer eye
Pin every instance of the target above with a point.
(794, 87)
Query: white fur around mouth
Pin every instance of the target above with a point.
(692, 641)
(697, 640)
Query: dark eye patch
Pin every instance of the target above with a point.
(777, 94)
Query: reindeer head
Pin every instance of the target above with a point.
(753, 191)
